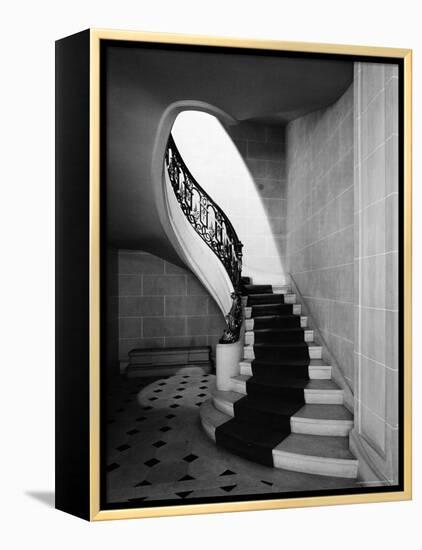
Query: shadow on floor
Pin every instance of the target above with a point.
(45, 497)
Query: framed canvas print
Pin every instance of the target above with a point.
(233, 274)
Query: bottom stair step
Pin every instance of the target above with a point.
(312, 454)
(320, 455)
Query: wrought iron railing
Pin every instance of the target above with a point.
(213, 226)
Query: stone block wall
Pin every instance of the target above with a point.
(163, 305)
(320, 237)
(376, 266)
(259, 214)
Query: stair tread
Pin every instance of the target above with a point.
(283, 345)
(309, 384)
(253, 434)
(277, 329)
(312, 362)
(255, 289)
(324, 446)
(229, 396)
(324, 412)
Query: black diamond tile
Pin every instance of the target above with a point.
(184, 382)
(198, 404)
(228, 473)
(112, 467)
(153, 399)
(157, 391)
(181, 389)
(187, 477)
(184, 494)
(203, 387)
(165, 429)
(202, 394)
(228, 488)
(143, 483)
(186, 376)
(170, 416)
(147, 408)
(132, 432)
(174, 406)
(178, 397)
(140, 418)
(190, 458)
(122, 448)
(159, 444)
(162, 383)
(151, 462)
(267, 482)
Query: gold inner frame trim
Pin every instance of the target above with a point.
(96, 35)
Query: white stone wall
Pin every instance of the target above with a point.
(376, 265)
(320, 198)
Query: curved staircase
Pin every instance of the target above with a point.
(283, 410)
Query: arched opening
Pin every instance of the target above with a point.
(219, 164)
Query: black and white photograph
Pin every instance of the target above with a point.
(251, 274)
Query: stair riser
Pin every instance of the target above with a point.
(315, 373)
(320, 427)
(282, 290)
(223, 406)
(250, 323)
(312, 397)
(297, 310)
(209, 429)
(315, 465)
(315, 352)
(308, 336)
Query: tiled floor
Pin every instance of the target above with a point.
(157, 449)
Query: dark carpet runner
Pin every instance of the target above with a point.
(275, 391)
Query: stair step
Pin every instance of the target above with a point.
(332, 420)
(315, 352)
(276, 322)
(249, 289)
(270, 335)
(224, 401)
(275, 309)
(270, 299)
(211, 417)
(320, 455)
(316, 391)
(282, 289)
(328, 420)
(318, 369)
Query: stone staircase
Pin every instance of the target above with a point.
(283, 410)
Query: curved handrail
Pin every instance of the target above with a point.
(213, 226)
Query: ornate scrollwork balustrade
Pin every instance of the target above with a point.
(213, 226)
